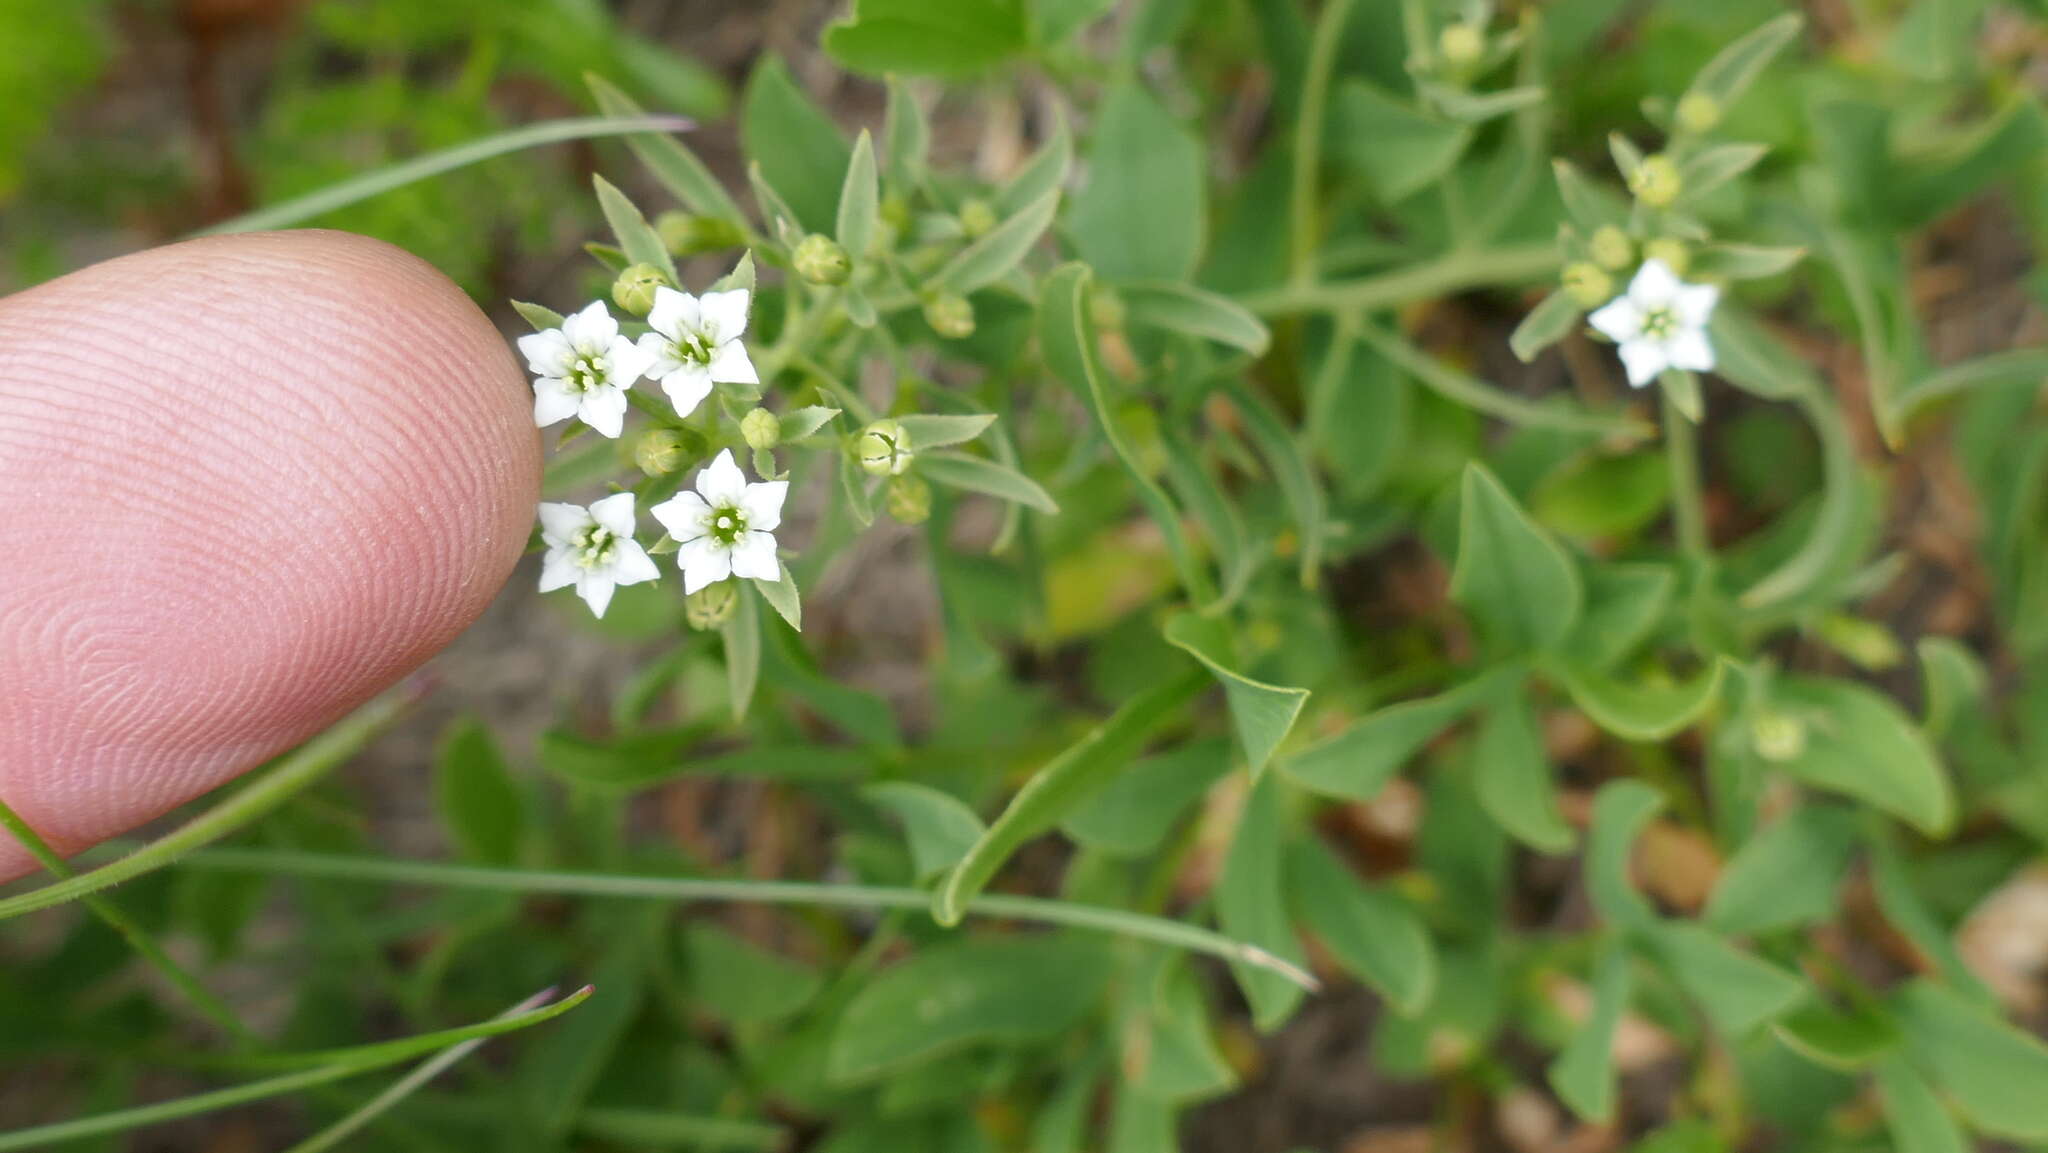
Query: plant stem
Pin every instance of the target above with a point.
(1308, 140)
(1688, 510)
(1505, 265)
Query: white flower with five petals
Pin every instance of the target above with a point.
(725, 528)
(585, 368)
(696, 343)
(1659, 323)
(593, 548)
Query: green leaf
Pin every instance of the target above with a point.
(2019, 368)
(1597, 495)
(1182, 308)
(1549, 322)
(741, 276)
(1055, 20)
(1789, 874)
(1918, 1121)
(1479, 107)
(1710, 168)
(1682, 388)
(906, 139)
(742, 655)
(1373, 933)
(1469, 392)
(1517, 583)
(1624, 603)
(1009, 989)
(1358, 762)
(1990, 1070)
(1583, 1074)
(1169, 1048)
(1620, 811)
(1861, 744)
(1142, 213)
(799, 150)
(1512, 775)
(1837, 1039)
(1907, 912)
(1953, 679)
(1260, 714)
(975, 474)
(1046, 171)
(920, 38)
(474, 794)
(941, 829)
(1729, 73)
(1288, 461)
(925, 431)
(1752, 358)
(1742, 262)
(1251, 904)
(859, 197)
(540, 318)
(1590, 206)
(637, 238)
(556, 1075)
(799, 423)
(1060, 787)
(1395, 149)
(854, 480)
(1135, 811)
(631, 761)
(1641, 711)
(672, 163)
(782, 596)
(991, 258)
(741, 983)
(1735, 990)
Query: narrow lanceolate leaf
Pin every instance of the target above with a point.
(1284, 454)
(478, 802)
(537, 316)
(859, 200)
(1512, 776)
(906, 138)
(1859, 743)
(1583, 1073)
(742, 655)
(1619, 814)
(1260, 714)
(927, 431)
(637, 238)
(973, 473)
(1518, 583)
(782, 596)
(1742, 261)
(1057, 789)
(800, 423)
(1589, 205)
(992, 257)
(1358, 762)
(1251, 903)
(1731, 70)
(1736, 991)
(1918, 1121)
(1374, 934)
(1046, 171)
(1990, 1070)
(1172, 306)
(1546, 324)
(1788, 874)
(1710, 168)
(1639, 711)
(1839, 1039)
(671, 161)
(939, 826)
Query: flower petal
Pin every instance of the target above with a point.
(722, 483)
(1695, 303)
(596, 591)
(553, 402)
(626, 362)
(558, 570)
(547, 352)
(1619, 319)
(1644, 359)
(559, 522)
(762, 503)
(615, 512)
(592, 330)
(1654, 286)
(704, 562)
(675, 314)
(684, 515)
(632, 565)
(725, 315)
(604, 410)
(731, 365)
(1689, 349)
(753, 556)
(687, 386)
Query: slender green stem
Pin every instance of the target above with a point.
(140, 939)
(292, 773)
(1472, 268)
(1458, 388)
(1115, 921)
(1308, 139)
(1688, 510)
(651, 1129)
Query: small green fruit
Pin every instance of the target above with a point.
(908, 499)
(884, 448)
(1698, 112)
(1656, 182)
(712, 605)
(1611, 248)
(1587, 284)
(950, 315)
(761, 429)
(634, 289)
(687, 235)
(659, 451)
(820, 260)
(977, 216)
(1674, 253)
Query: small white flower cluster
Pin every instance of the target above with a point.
(724, 529)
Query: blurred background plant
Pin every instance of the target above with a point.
(1629, 782)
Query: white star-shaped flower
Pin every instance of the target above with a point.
(585, 368)
(593, 548)
(1659, 323)
(727, 527)
(696, 343)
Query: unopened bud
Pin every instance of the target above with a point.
(1655, 182)
(1672, 251)
(687, 235)
(712, 605)
(908, 499)
(659, 451)
(895, 212)
(820, 260)
(634, 289)
(977, 216)
(950, 315)
(1611, 248)
(761, 429)
(1461, 44)
(1587, 284)
(1777, 737)
(1698, 112)
(883, 448)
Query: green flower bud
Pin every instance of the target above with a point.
(1587, 284)
(1673, 252)
(761, 429)
(895, 212)
(688, 235)
(1777, 736)
(883, 448)
(659, 451)
(820, 260)
(712, 605)
(950, 315)
(977, 216)
(1106, 308)
(1656, 182)
(1461, 44)
(908, 499)
(1698, 112)
(1611, 248)
(634, 289)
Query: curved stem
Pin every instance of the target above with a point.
(1506, 265)
(1308, 139)
(1688, 509)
